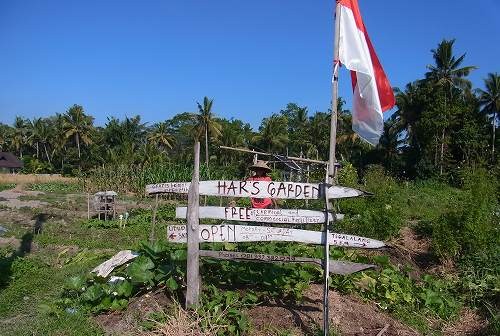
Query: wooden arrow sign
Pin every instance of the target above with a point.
(244, 233)
(336, 266)
(283, 216)
(170, 187)
(258, 189)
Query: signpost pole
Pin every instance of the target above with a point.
(331, 167)
(193, 248)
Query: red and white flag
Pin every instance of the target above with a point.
(373, 93)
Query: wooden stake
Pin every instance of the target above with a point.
(193, 248)
(153, 223)
(331, 168)
(88, 205)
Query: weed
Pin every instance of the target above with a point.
(7, 186)
(55, 187)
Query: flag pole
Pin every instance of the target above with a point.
(331, 170)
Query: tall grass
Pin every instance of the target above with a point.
(134, 178)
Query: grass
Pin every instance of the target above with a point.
(33, 283)
(7, 186)
(34, 178)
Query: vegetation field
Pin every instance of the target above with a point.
(429, 283)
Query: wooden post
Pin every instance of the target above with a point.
(153, 222)
(88, 205)
(330, 178)
(193, 248)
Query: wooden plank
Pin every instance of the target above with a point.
(258, 189)
(282, 216)
(336, 266)
(193, 233)
(169, 187)
(245, 233)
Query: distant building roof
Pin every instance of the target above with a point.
(9, 160)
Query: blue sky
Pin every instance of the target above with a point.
(157, 58)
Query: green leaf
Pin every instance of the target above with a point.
(124, 288)
(75, 283)
(139, 270)
(93, 293)
(179, 255)
(172, 284)
(119, 304)
(105, 303)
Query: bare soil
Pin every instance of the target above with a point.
(11, 199)
(348, 315)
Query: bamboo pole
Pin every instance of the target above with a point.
(331, 167)
(244, 150)
(193, 248)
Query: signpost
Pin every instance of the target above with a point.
(245, 233)
(281, 216)
(259, 189)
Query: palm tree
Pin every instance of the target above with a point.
(447, 74)
(34, 132)
(59, 138)
(19, 137)
(389, 143)
(161, 137)
(206, 124)
(407, 114)
(273, 132)
(78, 125)
(490, 101)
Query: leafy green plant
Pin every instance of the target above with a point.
(225, 308)
(55, 187)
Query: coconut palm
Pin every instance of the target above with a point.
(206, 124)
(78, 125)
(34, 131)
(490, 101)
(161, 137)
(448, 74)
(19, 136)
(407, 114)
(273, 133)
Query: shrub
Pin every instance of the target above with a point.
(378, 216)
(470, 224)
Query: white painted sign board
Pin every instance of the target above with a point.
(336, 266)
(257, 189)
(245, 233)
(282, 216)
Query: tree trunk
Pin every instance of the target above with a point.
(442, 153)
(37, 151)
(46, 152)
(493, 136)
(206, 149)
(77, 138)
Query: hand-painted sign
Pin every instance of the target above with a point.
(336, 266)
(283, 216)
(244, 233)
(258, 189)
(170, 187)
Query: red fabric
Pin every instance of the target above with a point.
(260, 203)
(385, 92)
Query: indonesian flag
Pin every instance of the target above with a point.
(372, 91)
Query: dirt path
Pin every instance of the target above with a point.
(11, 199)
